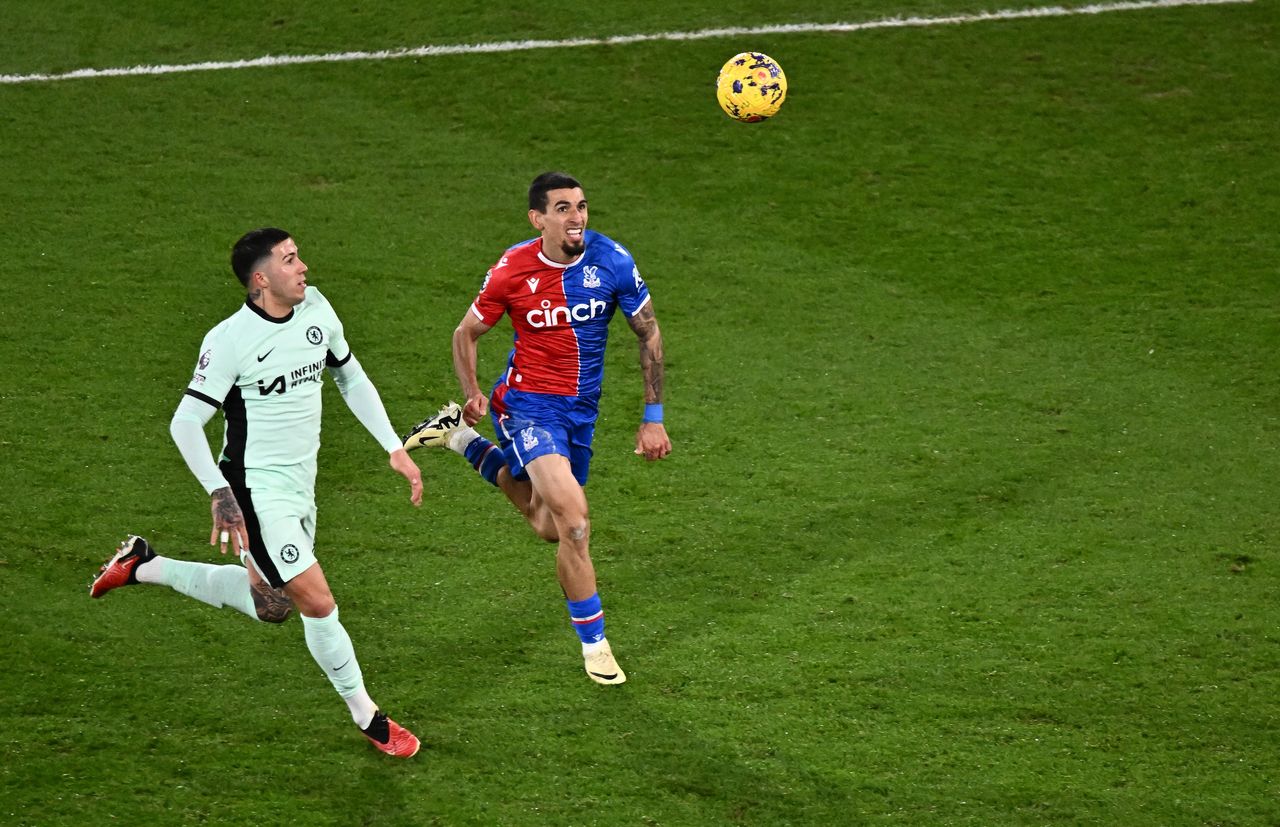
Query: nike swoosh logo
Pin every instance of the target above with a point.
(602, 675)
(338, 668)
(265, 355)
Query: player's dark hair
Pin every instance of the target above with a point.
(252, 248)
(546, 182)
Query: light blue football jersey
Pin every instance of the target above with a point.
(266, 374)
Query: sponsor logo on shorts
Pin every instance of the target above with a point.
(528, 439)
(289, 553)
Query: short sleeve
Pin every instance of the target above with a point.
(217, 368)
(491, 303)
(632, 292)
(339, 351)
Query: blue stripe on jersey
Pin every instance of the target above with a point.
(605, 274)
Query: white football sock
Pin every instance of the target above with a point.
(362, 707)
(461, 438)
(331, 647)
(151, 571)
(216, 585)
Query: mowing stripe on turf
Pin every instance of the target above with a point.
(528, 45)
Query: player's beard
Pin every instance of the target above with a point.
(573, 250)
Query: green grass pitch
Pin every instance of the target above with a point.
(971, 376)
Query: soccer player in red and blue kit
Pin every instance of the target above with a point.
(560, 290)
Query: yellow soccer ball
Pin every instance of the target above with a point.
(751, 87)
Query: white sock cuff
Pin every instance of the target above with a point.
(461, 438)
(151, 571)
(320, 624)
(362, 707)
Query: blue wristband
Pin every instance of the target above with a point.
(653, 412)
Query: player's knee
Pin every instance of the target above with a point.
(578, 530)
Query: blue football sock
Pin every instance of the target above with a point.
(588, 618)
(485, 457)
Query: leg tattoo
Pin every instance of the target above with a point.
(273, 605)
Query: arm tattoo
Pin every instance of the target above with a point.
(225, 507)
(645, 325)
(272, 605)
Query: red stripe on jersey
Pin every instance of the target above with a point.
(530, 290)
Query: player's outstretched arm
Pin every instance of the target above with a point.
(652, 441)
(465, 336)
(365, 402)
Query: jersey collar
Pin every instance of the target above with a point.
(557, 264)
(267, 317)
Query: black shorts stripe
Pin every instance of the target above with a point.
(257, 547)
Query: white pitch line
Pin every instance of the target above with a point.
(528, 45)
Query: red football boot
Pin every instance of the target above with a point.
(390, 737)
(122, 568)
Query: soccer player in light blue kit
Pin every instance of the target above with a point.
(263, 366)
(560, 291)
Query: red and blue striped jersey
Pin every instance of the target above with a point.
(560, 312)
